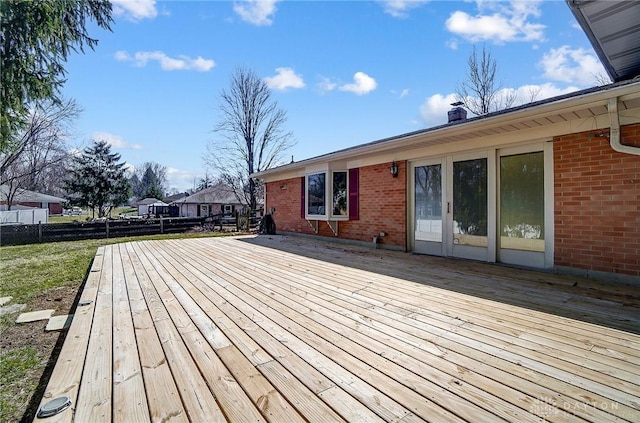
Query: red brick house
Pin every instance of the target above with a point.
(23, 197)
(541, 186)
(553, 184)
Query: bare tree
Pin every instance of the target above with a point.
(205, 182)
(251, 133)
(601, 79)
(481, 92)
(534, 93)
(40, 150)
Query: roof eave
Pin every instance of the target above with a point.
(595, 96)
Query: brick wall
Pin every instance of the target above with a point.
(383, 203)
(597, 202)
(285, 197)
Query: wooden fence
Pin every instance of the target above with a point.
(31, 234)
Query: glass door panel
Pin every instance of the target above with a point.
(428, 203)
(470, 203)
(522, 202)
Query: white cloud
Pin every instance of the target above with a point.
(576, 66)
(182, 180)
(167, 63)
(529, 93)
(122, 56)
(401, 94)
(135, 9)
(498, 22)
(256, 12)
(129, 168)
(434, 110)
(326, 85)
(285, 78)
(362, 84)
(401, 8)
(114, 141)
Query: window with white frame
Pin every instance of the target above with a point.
(316, 194)
(339, 194)
(327, 195)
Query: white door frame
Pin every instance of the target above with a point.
(487, 253)
(419, 246)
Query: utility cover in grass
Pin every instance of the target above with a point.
(34, 316)
(59, 322)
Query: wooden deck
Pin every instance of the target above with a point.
(281, 329)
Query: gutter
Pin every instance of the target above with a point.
(614, 131)
(532, 111)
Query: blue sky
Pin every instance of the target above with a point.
(345, 72)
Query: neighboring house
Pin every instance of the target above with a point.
(553, 184)
(176, 197)
(28, 198)
(214, 200)
(143, 205)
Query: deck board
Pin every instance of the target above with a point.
(282, 329)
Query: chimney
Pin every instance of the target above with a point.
(457, 114)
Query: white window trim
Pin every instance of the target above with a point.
(328, 195)
(308, 215)
(339, 216)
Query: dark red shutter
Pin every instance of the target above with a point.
(354, 179)
(302, 198)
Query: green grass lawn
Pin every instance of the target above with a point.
(87, 214)
(27, 272)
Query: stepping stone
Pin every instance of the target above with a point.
(59, 322)
(11, 308)
(4, 300)
(34, 316)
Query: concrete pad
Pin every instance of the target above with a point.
(34, 316)
(11, 308)
(59, 322)
(4, 300)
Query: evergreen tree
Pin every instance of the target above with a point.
(36, 40)
(135, 183)
(151, 185)
(150, 180)
(98, 180)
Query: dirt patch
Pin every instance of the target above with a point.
(26, 392)
(33, 334)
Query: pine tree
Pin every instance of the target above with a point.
(36, 40)
(98, 180)
(151, 185)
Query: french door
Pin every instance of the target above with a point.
(450, 210)
(428, 207)
(495, 205)
(468, 203)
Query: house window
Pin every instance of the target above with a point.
(316, 194)
(334, 191)
(339, 190)
(228, 209)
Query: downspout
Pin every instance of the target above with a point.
(614, 131)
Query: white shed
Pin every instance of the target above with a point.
(143, 205)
